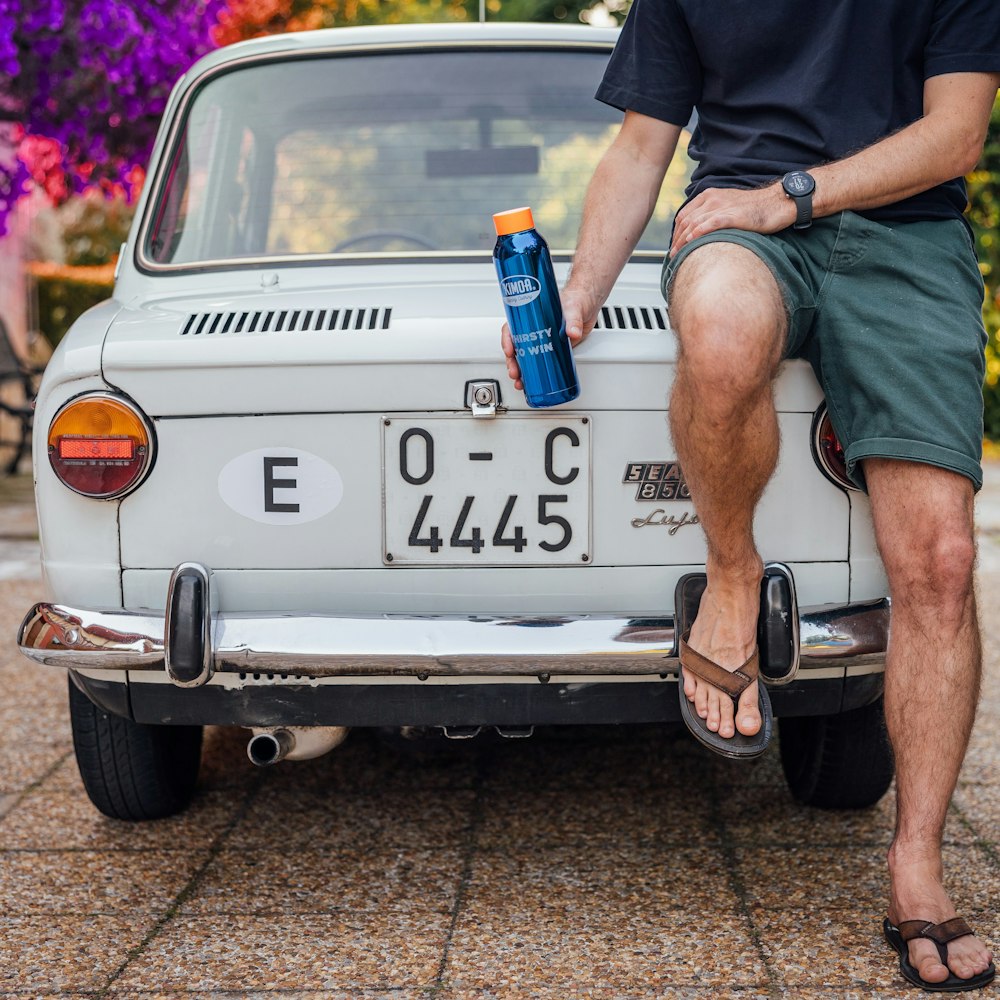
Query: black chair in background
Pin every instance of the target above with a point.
(18, 385)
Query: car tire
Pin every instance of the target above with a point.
(839, 761)
(133, 771)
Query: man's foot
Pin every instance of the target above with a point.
(917, 893)
(725, 631)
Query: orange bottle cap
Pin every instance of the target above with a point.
(517, 220)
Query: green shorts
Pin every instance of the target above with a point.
(890, 317)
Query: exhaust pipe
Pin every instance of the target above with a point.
(268, 746)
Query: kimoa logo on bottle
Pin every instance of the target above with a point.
(520, 289)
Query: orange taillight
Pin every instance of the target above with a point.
(100, 446)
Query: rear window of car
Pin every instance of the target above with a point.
(400, 154)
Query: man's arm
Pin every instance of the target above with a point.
(945, 143)
(620, 199)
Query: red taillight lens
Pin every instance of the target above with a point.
(100, 446)
(97, 448)
(829, 452)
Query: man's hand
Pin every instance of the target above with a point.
(579, 312)
(762, 210)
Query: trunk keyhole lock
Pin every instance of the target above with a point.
(482, 396)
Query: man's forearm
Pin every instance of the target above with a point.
(619, 202)
(942, 145)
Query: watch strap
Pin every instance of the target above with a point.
(803, 211)
(803, 199)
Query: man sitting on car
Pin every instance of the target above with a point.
(824, 220)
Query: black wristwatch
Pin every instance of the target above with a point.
(799, 186)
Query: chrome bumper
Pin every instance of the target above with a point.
(309, 645)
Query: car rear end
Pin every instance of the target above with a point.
(342, 514)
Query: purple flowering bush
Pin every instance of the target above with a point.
(94, 77)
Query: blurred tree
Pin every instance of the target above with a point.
(91, 77)
(94, 227)
(249, 18)
(602, 12)
(984, 214)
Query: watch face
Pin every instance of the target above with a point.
(798, 183)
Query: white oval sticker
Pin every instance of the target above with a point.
(280, 485)
(520, 289)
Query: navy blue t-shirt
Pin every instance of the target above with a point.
(782, 84)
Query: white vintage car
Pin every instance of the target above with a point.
(284, 483)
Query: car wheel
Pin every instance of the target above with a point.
(133, 771)
(837, 761)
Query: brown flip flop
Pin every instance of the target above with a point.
(687, 598)
(940, 935)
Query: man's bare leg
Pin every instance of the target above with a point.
(924, 526)
(731, 324)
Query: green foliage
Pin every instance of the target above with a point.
(64, 293)
(984, 214)
(92, 229)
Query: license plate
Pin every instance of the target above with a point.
(506, 491)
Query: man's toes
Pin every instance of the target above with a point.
(932, 971)
(714, 716)
(727, 727)
(963, 969)
(690, 685)
(748, 719)
(925, 959)
(967, 958)
(701, 700)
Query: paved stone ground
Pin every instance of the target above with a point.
(599, 863)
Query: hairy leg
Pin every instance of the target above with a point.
(730, 320)
(924, 527)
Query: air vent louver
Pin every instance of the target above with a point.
(288, 321)
(632, 318)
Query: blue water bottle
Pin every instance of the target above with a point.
(534, 312)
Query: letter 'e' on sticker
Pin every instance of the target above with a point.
(280, 485)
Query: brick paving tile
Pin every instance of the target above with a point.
(515, 944)
(46, 996)
(623, 880)
(115, 882)
(386, 880)
(584, 992)
(59, 953)
(365, 950)
(280, 994)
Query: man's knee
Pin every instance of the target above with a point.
(925, 534)
(934, 570)
(729, 317)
